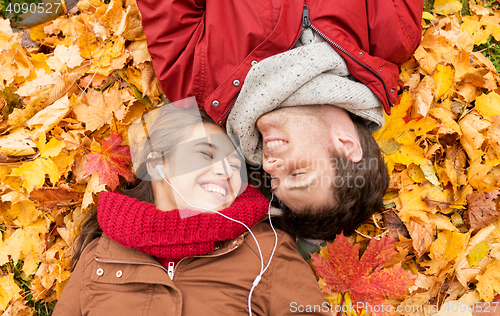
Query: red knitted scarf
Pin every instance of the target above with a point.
(165, 235)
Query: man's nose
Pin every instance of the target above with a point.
(272, 165)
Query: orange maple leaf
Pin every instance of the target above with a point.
(112, 161)
(368, 284)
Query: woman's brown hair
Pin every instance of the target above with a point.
(167, 131)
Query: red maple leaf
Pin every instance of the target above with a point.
(112, 161)
(368, 284)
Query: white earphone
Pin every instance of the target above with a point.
(159, 169)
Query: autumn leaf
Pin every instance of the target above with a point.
(113, 160)
(365, 280)
(482, 209)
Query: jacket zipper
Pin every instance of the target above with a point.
(204, 256)
(171, 269)
(228, 111)
(306, 22)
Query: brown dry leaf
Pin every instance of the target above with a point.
(455, 164)
(424, 96)
(52, 198)
(18, 308)
(150, 84)
(62, 86)
(421, 234)
(472, 139)
(482, 209)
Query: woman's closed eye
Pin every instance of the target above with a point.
(206, 154)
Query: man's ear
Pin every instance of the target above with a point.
(348, 144)
(153, 161)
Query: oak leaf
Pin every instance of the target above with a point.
(366, 280)
(112, 161)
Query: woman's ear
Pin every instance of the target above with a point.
(153, 163)
(349, 145)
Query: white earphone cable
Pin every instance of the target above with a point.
(262, 269)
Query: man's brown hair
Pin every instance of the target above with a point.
(357, 191)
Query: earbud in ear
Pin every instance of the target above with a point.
(159, 169)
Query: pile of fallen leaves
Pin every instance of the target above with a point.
(70, 88)
(442, 148)
(68, 91)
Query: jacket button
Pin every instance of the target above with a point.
(253, 63)
(215, 104)
(392, 91)
(119, 273)
(100, 271)
(236, 83)
(380, 70)
(361, 53)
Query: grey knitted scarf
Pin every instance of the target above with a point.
(311, 73)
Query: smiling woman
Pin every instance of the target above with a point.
(162, 236)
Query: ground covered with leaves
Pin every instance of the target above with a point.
(70, 88)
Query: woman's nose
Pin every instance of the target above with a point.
(223, 168)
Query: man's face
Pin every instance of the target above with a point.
(297, 146)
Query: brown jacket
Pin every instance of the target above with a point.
(111, 279)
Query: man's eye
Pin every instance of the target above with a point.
(297, 173)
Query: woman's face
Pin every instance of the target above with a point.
(205, 169)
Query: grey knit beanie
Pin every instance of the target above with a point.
(311, 73)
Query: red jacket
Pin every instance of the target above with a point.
(206, 49)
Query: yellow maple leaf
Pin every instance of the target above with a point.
(97, 108)
(394, 123)
(39, 61)
(8, 290)
(488, 104)
(17, 143)
(446, 119)
(65, 57)
(139, 52)
(478, 177)
(444, 76)
(406, 155)
(489, 282)
(18, 245)
(477, 254)
(448, 244)
(24, 213)
(445, 7)
(111, 15)
(412, 202)
(50, 149)
(33, 173)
